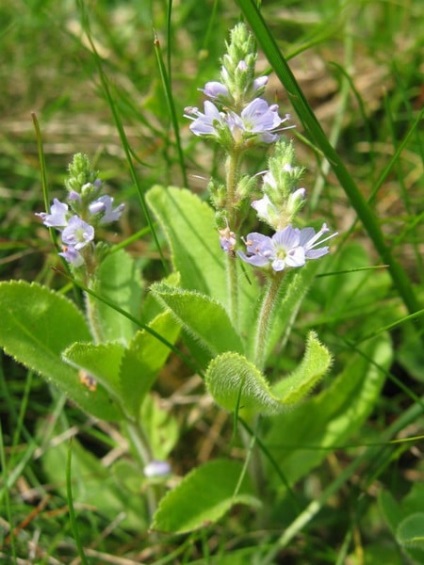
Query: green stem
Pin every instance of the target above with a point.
(92, 315)
(232, 286)
(266, 313)
(232, 174)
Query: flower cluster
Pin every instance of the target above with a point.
(86, 209)
(280, 202)
(257, 122)
(289, 247)
(237, 118)
(235, 115)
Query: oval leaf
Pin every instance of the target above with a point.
(37, 326)
(102, 361)
(235, 382)
(118, 281)
(205, 319)
(188, 224)
(410, 532)
(203, 497)
(309, 372)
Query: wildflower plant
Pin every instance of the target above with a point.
(231, 299)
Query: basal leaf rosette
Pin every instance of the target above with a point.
(236, 383)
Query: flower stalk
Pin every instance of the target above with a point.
(264, 321)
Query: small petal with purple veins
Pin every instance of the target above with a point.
(309, 239)
(257, 118)
(207, 122)
(58, 217)
(77, 233)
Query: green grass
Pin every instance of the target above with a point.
(351, 75)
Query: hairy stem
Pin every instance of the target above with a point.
(265, 317)
(93, 315)
(232, 176)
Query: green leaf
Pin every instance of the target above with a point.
(234, 381)
(118, 280)
(406, 520)
(410, 532)
(102, 361)
(301, 438)
(414, 500)
(393, 513)
(309, 372)
(205, 319)
(37, 325)
(203, 497)
(144, 358)
(189, 226)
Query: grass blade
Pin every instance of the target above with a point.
(167, 88)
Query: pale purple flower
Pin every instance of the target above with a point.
(215, 90)
(71, 255)
(74, 196)
(257, 118)
(265, 209)
(289, 247)
(58, 216)
(157, 469)
(103, 205)
(207, 123)
(227, 240)
(77, 233)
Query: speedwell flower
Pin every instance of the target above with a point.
(258, 118)
(289, 247)
(207, 123)
(77, 233)
(103, 207)
(72, 256)
(58, 216)
(214, 89)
